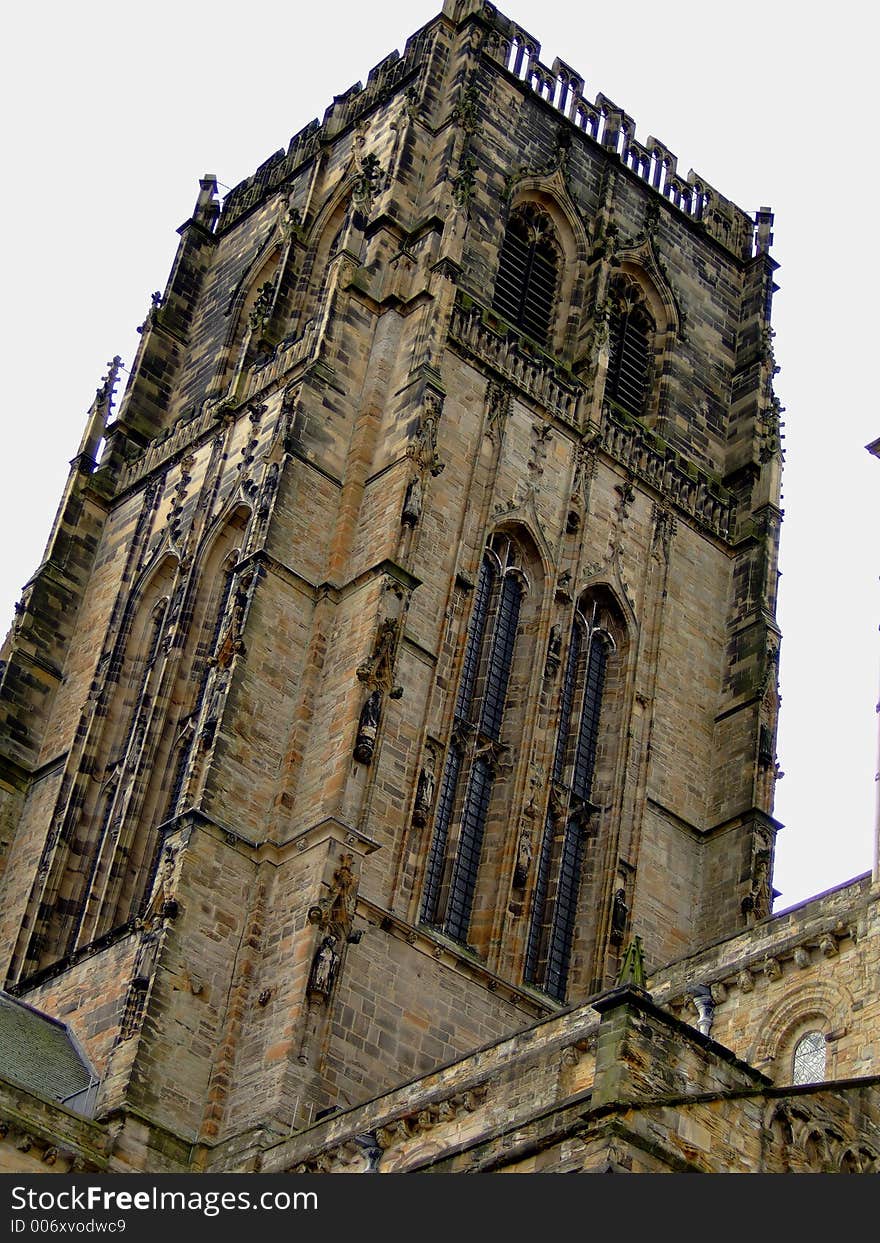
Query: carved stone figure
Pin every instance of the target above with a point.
(554, 648)
(324, 967)
(368, 726)
(412, 503)
(523, 858)
(335, 911)
(619, 913)
(425, 790)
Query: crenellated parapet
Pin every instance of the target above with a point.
(350, 107)
(560, 86)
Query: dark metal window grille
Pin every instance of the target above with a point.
(498, 670)
(488, 660)
(442, 820)
(559, 953)
(476, 630)
(537, 925)
(525, 288)
(539, 903)
(629, 363)
(568, 689)
(467, 860)
(588, 736)
(553, 920)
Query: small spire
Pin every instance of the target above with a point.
(207, 209)
(106, 393)
(763, 230)
(100, 413)
(632, 969)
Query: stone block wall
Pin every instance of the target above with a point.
(324, 342)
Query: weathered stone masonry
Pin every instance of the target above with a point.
(285, 824)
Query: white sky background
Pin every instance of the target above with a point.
(113, 111)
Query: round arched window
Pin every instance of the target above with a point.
(808, 1063)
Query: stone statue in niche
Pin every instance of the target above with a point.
(554, 648)
(425, 790)
(162, 905)
(523, 858)
(368, 726)
(145, 960)
(324, 967)
(619, 913)
(215, 707)
(412, 503)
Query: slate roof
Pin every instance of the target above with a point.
(40, 1053)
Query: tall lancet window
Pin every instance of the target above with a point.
(630, 347)
(528, 273)
(476, 744)
(591, 650)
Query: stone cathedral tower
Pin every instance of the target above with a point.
(404, 650)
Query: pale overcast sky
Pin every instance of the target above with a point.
(114, 111)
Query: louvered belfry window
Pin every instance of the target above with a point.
(469, 772)
(630, 346)
(525, 288)
(560, 861)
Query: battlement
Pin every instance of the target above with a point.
(352, 105)
(562, 87)
(518, 53)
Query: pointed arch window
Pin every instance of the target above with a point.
(528, 273)
(471, 760)
(560, 860)
(630, 347)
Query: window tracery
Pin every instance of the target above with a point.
(808, 1059)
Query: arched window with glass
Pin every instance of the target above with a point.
(591, 664)
(808, 1059)
(476, 743)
